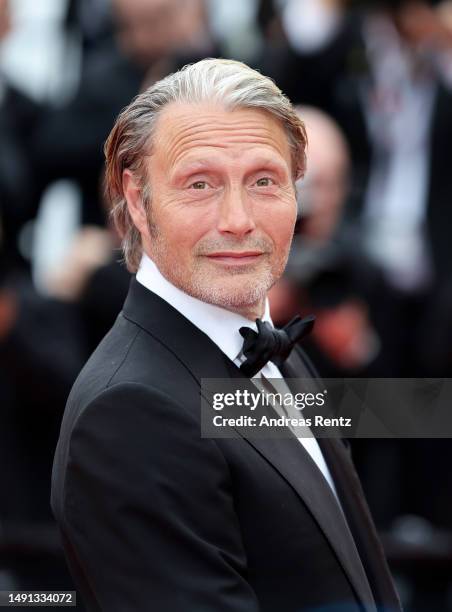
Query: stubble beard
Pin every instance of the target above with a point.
(235, 289)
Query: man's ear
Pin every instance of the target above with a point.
(133, 195)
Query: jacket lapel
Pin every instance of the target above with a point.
(361, 524)
(354, 504)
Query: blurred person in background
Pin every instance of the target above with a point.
(93, 279)
(41, 351)
(44, 341)
(19, 115)
(91, 21)
(328, 270)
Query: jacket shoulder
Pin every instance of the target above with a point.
(127, 354)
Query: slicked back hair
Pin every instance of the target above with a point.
(230, 84)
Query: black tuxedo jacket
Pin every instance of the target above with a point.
(155, 518)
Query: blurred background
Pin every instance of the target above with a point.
(372, 254)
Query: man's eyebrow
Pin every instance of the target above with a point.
(185, 168)
(202, 163)
(195, 164)
(267, 162)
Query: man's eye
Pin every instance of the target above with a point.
(199, 185)
(265, 181)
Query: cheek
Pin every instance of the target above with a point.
(278, 221)
(186, 228)
(182, 223)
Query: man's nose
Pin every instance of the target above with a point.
(236, 215)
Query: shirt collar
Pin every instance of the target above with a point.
(221, 325)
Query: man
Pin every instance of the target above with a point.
(201, 170)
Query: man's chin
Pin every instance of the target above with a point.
(233, 293)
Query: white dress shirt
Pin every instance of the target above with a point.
(222, 327)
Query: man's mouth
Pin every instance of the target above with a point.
(235, 258)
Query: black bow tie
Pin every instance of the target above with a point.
(270, 344)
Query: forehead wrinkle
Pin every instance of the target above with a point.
(232, 152)
(202, 125)
(201, 128)
(213, 139)
(183, 131)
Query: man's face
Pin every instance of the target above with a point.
(223, 205)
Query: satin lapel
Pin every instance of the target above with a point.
(318, 496)
(355, 507)
(354, 504)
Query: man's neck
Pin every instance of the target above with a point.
(251, 311)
